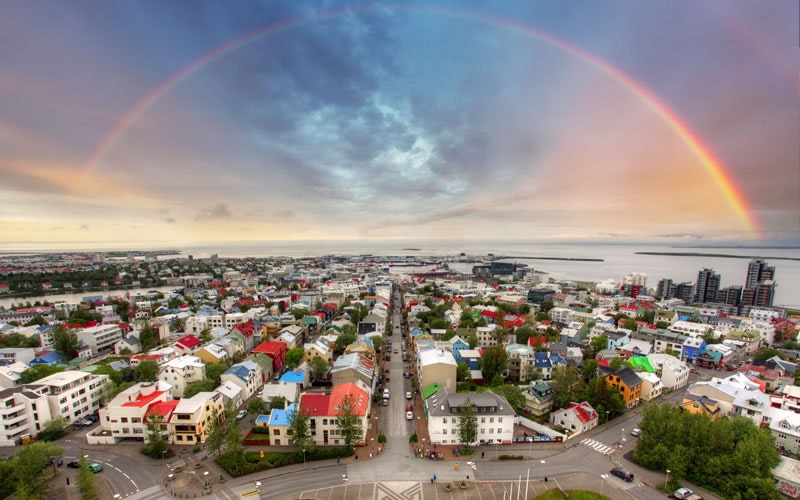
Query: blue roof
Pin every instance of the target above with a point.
(239, 371)
(44, 328)
(47, 358)
(296, 376)
(416, 331)
(281, 417)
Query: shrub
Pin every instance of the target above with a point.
(51, 435)
(260, 430)
(448, 486)
(413, 438)
(196, 448)
(511, 457)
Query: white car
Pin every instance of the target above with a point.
(386, 394)
(409, 415)
(241, 414)
(636, 432)
(408, 395)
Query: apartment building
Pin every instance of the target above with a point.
(73, 394)
(124, 416)
(100, 338)
(23, 413)
(324, 409)
(437, 366)
(191, 417)
(494, 415)
(182, 371)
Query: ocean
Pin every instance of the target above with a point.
(618, 259)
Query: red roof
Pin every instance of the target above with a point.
(144, 400)
(581, 412)
(188, 341)
(603, 362)
(147, 357)
(315, 404)
(269, 347)
(163, 408)
(247, 329)
(537, 341)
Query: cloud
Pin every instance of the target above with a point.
(284, 213)
(218, 211)
(612, 235)
(169, 220)
(84, 227)
(419, 220)
(682, 236)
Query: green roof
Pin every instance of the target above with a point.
(431, 390)
(308, 320)
(714, 354)
(641, 364)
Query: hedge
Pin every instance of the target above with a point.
(252, 461)
(511, 457)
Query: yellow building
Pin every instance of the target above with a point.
(191, 418)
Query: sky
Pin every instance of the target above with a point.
(205, 121)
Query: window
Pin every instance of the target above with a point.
(124, 420)
(444, 431)
(781, 436)
(499, 430)
(491, 420)
(483, 420)
(276, 432)
(499, 420)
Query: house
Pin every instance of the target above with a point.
(628, 383)
(752, 405)
(494, 415)
(186, 345)
(701, 405)
(247, 375)
(577, 418)
(263, 361)
(129, 344)
(785, 427)
(351, 367)
(231, 394)
(182, 371)
(324, 409)
(192, 417)
(124, 416)
(691, 348)
(247, 330)
(320, 348)
(278, 423)
(709, 359)
(212, 353)
(651, 386)
(11, 355)
(724, 391)
(674, 374)
(275, 350)
(437, 366)
(538, 398)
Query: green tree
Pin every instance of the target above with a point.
(472, 340)
(31, 464)
(256, 406)
(65, 342)
(37, 321)
(589, 369)
(463, 373)
(215, 432)
(547, 305)
(597, 344)
(277, 403)
(630, 324)
(300, 429)
(767, 353)
(523, 333)
(662, 325)
(205, 335)
(157, 444)
(294, 356)
(513, 395)
(319, 368)
(377, 342)
(342, 341)
(494, 361)
(199, 386)
(147, 371)
(215, 370)
(566, 383)
(86, 480)
(467, 424)
(147, 338)
(348, 421)
(53, 429)
(497, 381)
(37, 372)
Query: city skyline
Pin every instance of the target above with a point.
(618, 122)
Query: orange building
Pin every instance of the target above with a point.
(628, 383)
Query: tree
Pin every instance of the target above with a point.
(277, 403)
(65, 342)
(215, 431)
(147, 338)
(37, 321)
(662, 325)
(630, 324)
(53, 429)
(256, 405)
(157, 443)
(30, 465)
(463, 373)
(597, 344)
(547, 305)
(497, 381)
(199, 386)
(215, 370)
(565, 383)
(523, 333)
(467, 423)
(319, 368)
(205, 335)
(147, 371)
(300, 429)
(34, 373)
(348, 421)
(767, 353)
(344, 340)
(472, 340)
(494, 361)
(377, 342)
(294, 356)
(86, 480)
(513, 395)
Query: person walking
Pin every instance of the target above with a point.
(432, 479)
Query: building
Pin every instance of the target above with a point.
(247, 375)
(23, 413)
(628, 383)
(73, 394)
(124, 416)
(758, 271)
(577, 418)
(192, 417)
(351, 367)
(665, 289)
(494, 415)
(278, 423)
(275, 350)
(324, 409)
(182, 371)
(100, 338)
(212, 353)
(437, 366)
(708, 284)
(538, 398)
(186, 345)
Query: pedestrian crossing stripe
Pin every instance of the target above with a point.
(598, 446)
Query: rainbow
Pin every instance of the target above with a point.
(713, 166)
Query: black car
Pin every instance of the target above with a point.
(74, 464)
(622, 474)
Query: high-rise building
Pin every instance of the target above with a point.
(685, 291)
(707, 286)
(665, 289)
(639, 279)
(731, 295)
(758, 271)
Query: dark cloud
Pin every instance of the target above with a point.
(218, 211)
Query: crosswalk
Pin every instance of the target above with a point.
(598, 446)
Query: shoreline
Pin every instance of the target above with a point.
(573, 259)
(717, 255)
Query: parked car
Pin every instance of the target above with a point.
(94, 467)
(622, 474)
(75, 464)
(409, 415)
(385, 402)
(84, 423)
(682, 493)
(408, 395)
(241, 414)
(636, 432)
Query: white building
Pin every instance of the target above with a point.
(100, 338)
(23, 413)
(124, 416)
(247, 375)
(673, 372)
(690, 329)
(495, 417)
(182, 371)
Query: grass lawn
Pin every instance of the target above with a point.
(555, 494)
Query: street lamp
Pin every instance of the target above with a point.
(171, 476)
(205, 476)
(163, 454)
(258, 486)
(418, 424)
(304, 458)
(667, 482)
(607, 416)
(603, 478)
